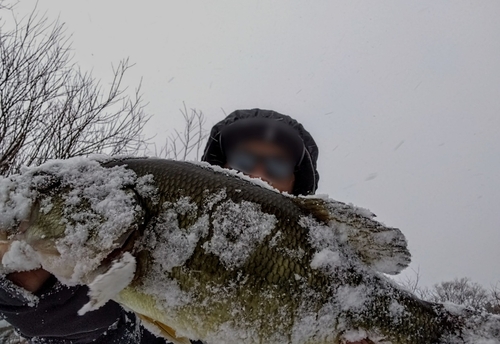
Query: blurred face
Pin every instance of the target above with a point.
(265, 160)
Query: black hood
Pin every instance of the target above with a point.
(306, 175)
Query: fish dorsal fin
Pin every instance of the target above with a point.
(165, 330)
(382, 248)
(314, 206)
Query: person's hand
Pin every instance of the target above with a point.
(30, 280)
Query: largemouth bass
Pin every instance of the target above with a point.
(205, 253)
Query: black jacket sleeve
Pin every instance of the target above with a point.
(51, 317)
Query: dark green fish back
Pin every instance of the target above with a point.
(176, 179)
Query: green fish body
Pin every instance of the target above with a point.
(204, 253)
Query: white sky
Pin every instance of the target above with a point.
(402, 97)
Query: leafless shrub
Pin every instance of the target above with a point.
(460, 291)
(50, 109)
(495, 293)
(186, 144)
(493, 305)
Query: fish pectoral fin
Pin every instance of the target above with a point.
(165, 330)
(382, 248)
(107, 285)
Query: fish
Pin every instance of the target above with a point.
(205, 253)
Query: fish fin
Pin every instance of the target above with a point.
(107, 285)
(165, 330)
(382, 248)
(315, 206)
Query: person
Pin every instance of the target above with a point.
(278, 149)
(260, 143)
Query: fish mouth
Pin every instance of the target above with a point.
(10, 238)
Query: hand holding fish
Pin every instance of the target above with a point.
(30, 280)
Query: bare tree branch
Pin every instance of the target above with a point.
(186, 144)
(50, 109)
(412, 284)
(493, 305)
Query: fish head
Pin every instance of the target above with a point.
(67, 220)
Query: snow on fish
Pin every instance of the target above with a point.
(205, 253)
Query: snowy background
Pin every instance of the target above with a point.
(403, 98)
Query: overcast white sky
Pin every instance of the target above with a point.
(402, 97)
